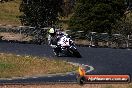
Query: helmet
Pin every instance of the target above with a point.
(51, 30)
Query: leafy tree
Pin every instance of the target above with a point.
(67, 7)
(124, 26)
(96, 15)
(40, 13)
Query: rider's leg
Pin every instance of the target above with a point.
(56, 51)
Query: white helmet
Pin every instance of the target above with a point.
(51, 30)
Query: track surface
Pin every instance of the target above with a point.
(104, 61)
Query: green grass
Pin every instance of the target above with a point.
(19, 66)
(4, 66)
(9, 12)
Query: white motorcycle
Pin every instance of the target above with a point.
(67, 47)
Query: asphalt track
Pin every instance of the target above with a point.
(104, 61)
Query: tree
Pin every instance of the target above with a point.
(96, 15)
(40, 13)
(124, 26)
(67, 7)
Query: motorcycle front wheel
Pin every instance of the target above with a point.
(74, 52)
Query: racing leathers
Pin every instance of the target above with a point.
(58, 41)
(53, 40)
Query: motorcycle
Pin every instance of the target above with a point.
(69, 50)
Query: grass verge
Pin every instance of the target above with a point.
(9, 13)
(19, 66)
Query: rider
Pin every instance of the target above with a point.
(53, 39)
(57, 39)
(52, 34)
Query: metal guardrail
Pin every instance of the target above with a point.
(39, 34)
(94, 39)
(104, 39)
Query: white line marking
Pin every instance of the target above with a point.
(91, 69)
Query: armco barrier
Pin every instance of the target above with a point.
(91, 39)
